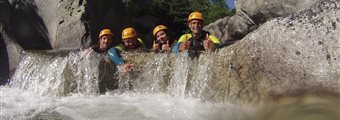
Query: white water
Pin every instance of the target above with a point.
(65, 86)
(23, 104)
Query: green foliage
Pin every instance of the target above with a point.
(174, 13)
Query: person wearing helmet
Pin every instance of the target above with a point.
(198, 40)
(162, 43)
(105, 45)
(130, 42)
(105, 41)
(130, 39)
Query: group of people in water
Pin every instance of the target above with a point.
(196, 41)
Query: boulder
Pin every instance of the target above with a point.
(10, 51)
(27, 26)
(252, 13)
(217, 28)
(66, 23)
(299, 52)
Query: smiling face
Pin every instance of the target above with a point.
(196, 26)
(162, 37)
(105, 42)
(130, 43)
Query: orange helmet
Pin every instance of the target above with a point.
(195, 15)
(158, 28)
(105, 32)
(128, 33)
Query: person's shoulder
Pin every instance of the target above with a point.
(120, 47)
(182, 38)
(141, 42)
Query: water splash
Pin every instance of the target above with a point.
(57, 73)
(66, 85)
(128, 106)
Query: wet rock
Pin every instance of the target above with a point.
(294, 53)
(63, 72)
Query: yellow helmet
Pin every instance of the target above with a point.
(128, 33)
(195, 15)
(105, 32)
(158, 28)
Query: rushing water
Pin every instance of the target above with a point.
(65, 85)
(69, 85)
(23, 104)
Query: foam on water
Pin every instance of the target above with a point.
(23, 104)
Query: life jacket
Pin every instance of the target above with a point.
(122, 47)
(196, 44)
(115, 52)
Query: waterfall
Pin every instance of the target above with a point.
(57, 73)
(65, 72)
(80, 84)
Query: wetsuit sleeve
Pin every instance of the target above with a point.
(175, 48)
(115, 56)
(182, 38)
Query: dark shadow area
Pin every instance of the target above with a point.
(4, 69)
(28, 27)
(117, 15)
(102, 14)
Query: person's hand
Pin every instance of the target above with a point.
(127, 67)
(166, 47)
(185, 44)
(208, 44)
(155, 46)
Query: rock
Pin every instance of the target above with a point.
(5, 9)
(66, 23)
(259, 11)
(217, 28)
(41, 24)
(63, 72)
(262, 10)
(4, 70)
(27, 26)
(11, 56)
(10, 51)
(298, 52)
(250, 14)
